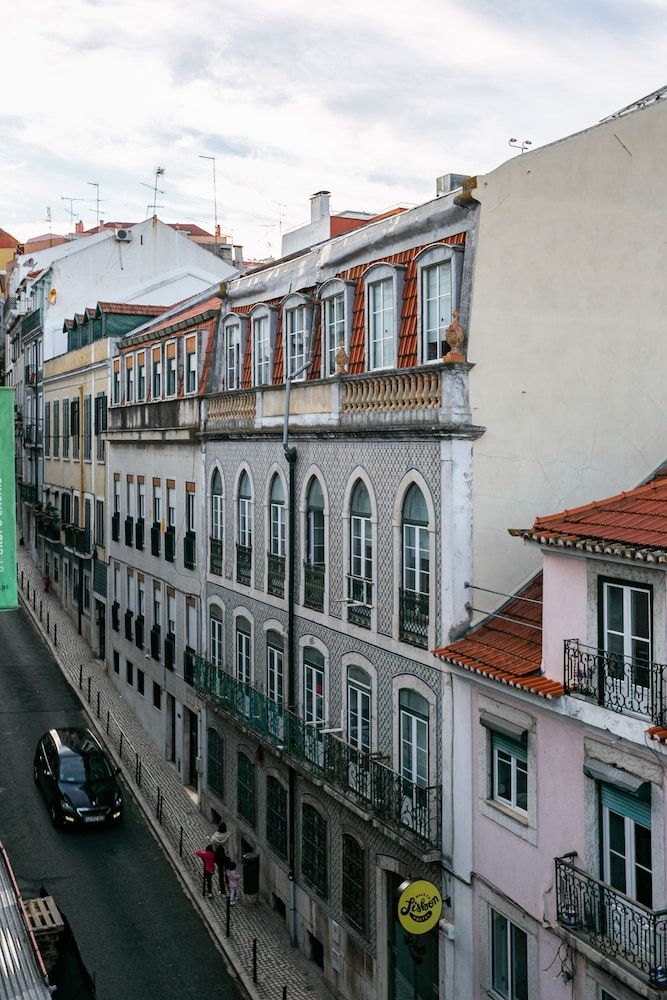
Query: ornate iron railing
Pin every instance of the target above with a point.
(139, 631)
(189, 549)
(403, 805)
(169, 650)
(619, 683)
(275, 566)
(169, 543)
(129, 530)
(413, 617)
(313, 586)
(115, 527)
(243, 564)
(215, 556)
(360, 599)
(612, 923)
(139, 530)
(31, 322)
(77, 539)
(155, 642)
(155, 538)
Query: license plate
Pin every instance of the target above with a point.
(93, 819)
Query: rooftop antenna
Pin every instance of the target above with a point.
(281, 212)
(48, 219)
(523, 146)
(202, 156)
(63, 197)
(159, 171)
(96, 185)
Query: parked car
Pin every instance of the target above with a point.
(77, 779)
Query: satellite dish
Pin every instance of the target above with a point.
(53, 295)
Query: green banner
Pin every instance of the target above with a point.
(8, 595)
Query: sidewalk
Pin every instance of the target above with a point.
(171, 812)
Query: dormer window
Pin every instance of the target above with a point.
(439, 271)
(384, 295)
(297, 315)
(337, 300)
(234, 341)
(263, 325)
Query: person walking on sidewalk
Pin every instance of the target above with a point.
(234, 882)
(208, 857)
(220, 843)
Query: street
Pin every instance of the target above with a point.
(136, 930)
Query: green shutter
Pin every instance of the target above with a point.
(513, 747)
(626, 805)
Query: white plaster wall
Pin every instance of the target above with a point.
(568, 315)
(564, 609)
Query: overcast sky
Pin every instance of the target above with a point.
(369, 100)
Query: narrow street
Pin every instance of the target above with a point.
(137, 932)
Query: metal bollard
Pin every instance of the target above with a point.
(254, 960)
(89, 690)
(21, 579)
(80, 676)
(55, 634)
(284, 993)
(48, 623)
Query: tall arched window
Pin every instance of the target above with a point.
(215, 636)
(243, 651)
(215, 561)
(276, 554)
(359, 710)
(413, 728)
(215, 767)
(314, 848)
(360, 577)
(415, 583)
(244, 520)
(314, 563)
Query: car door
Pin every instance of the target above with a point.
(50, 770)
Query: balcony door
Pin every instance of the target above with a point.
(413, 762)
(626, 639)
(359, 729)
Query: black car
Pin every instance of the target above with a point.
(77, 779)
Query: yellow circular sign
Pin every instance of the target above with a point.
(419, 906)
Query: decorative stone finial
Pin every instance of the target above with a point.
(341, 360)
(454, 336)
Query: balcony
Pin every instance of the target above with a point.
(155, 538)
(129, 530)
(77, 539)
(28, 493)
(612, 923)
(155, 642)
(360, 598)
(190, 550)
(189, 665)
(169, 544)
(410, 809)
(275, 566)
(621, 684)
(243, 564)
(31, 322)
(115, 527)
(139, 631)
(413, 618)
(215, 556)
(169, 650)
(139, 534)
(313, 586)
(115, 616)
(129, 615)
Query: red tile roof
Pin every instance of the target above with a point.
(7, 241)
(507, 645)
(187, 314)
(632, 524)
(130, 309)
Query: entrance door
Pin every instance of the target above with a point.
(413, 959)
(193, 741)
(171, 727)
(101, 628)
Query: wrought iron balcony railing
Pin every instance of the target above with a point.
(129, 615)
(48, 525)
(243, 564)
(619, 683)
(115, 616)
(28, 493)
(155, 538)
(77, 539)
(129, 530)
(612, 923)
(155, 642)
(190, 549)
(413, 618)
(360, 599)
(115, 527)
(313, 586)
(215, 556)
(405, 806)
(31, 322)
(139, 533)
(139, 631)
(169, 650)
(275, 574)
(169, 543)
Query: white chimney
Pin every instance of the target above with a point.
(319, 205)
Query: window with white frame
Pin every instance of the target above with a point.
(315, 524)
(414, 596)
(381, 324)
(337, 298)
(141, 596)
(360, 577)
(171, 505)
(157, 604)
(510, 771)
(216, 506)
(626, 639)
(191, 364)
(243, 651)
(171, 613)
(627, 862)
(509, 959)
(215, 634)
(156, 373)
(277, 517)
(232, 355)
(313, 686)
(141, 376)
(129, 378)
(191, 623)
(439, 270)
(190, 508)
(274, 667)
(296, 319)
(129, 495)
(171, 369)
(413, 737)
(116, 495)
(115, 383)
(157, 501)
(141, 497)
(261, 343)
(359, 709)
(245, 512)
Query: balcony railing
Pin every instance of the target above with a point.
(612, 923)
(189, 665)
(155, 642)
(169, 544)
(215, 556)
(115, 616)
(28, 493)
(77, 539)
(155, 538)
(276, 574)
(189, 549)
(169, 650)
(31, 322)
(243, 563)
(129, 530)
(403, 805)
(360, 597)
(48, 525)
(139, 533)
(129, 615)
(313, 586)
(413, 618)
(115, 527)
(139, 631)
(619, 683)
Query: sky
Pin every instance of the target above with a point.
(371, 101)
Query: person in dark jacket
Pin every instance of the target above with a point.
(220, 843)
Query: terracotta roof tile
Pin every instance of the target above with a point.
(7, 241)
(507, 645)
(657, 733)
(130, 309)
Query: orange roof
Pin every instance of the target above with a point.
(7, 241)
(630, 523)
(188, 313)
(507, 645)
(130, 309)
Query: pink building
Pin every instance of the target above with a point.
(559, 879)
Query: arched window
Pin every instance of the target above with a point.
(215, 560)
(360, 577)
(232, 354)
(276, 555)
(415, 584)
(413, 729)
(215, 636)
(245, 788)
(274, 667)
(215, 767)
(313, 685)
(359, 709)
(354, 882)
(244, 542)
(276, 815)
(243, 651)
(314, 562)
(314, 848)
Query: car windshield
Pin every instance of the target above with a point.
(92, 767)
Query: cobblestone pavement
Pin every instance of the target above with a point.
(171, 811)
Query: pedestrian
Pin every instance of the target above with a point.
(208, 857)
(220, 843)
(233, 881)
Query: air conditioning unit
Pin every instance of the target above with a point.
(123, 235)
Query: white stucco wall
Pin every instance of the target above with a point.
(567, 328)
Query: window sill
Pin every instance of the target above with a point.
(516, 814)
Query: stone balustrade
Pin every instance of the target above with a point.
(231, 406)
(412, 390)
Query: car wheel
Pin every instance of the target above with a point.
(53, 812)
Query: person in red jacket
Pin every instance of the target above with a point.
(208, 857)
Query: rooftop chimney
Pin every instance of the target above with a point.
(449, 182)
(78, 228)
(319, 205)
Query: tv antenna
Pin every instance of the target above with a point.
(523, 146)
(202, 156)
(71, 201)
(96, 185)
(159, 172)
(281, 210)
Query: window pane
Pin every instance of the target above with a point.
(499, 956)
(519, 964)
(614, 608)
(521, 786)
(640, 614)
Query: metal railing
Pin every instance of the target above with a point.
(403, 805)
(28, 493)
(243, 564)
(413, 617)
(360, 598)
(619, 683)
(215, 556)
(611, 922)
(189, 549)
(77, 539)
(31, 322)
(275, 574)
(313, 586)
